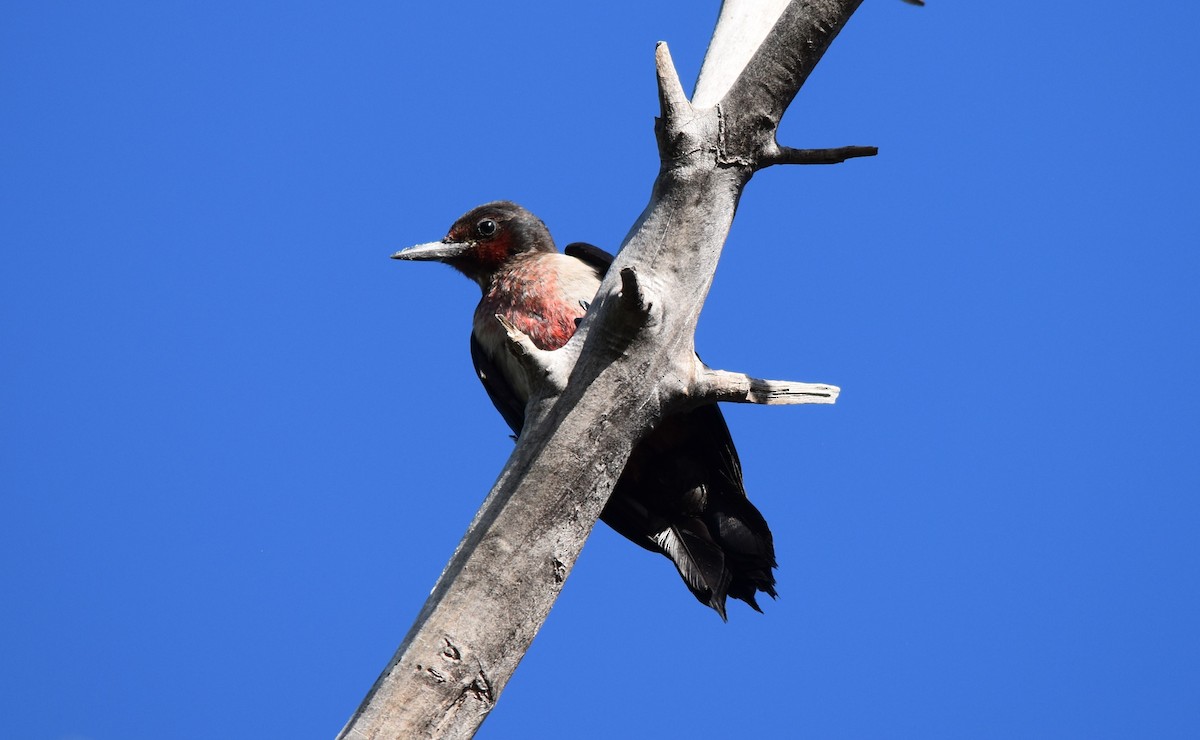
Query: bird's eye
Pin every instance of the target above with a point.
(486, 227)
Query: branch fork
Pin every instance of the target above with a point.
(678, 113)
(498, 589)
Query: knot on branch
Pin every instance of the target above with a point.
(632, 309)
(635, 301)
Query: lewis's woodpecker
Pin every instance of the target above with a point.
(681, 492)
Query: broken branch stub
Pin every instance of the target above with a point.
(837, 155)
(540, 365)
(721, 385)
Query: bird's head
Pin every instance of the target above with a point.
(484, 239)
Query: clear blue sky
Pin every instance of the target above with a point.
(239, 443)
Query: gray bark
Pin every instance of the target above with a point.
(631, 361)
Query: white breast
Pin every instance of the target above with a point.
(523, 299)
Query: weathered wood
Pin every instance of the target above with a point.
(722, 385)
(631, 361)
(741, 28)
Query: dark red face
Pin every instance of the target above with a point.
(484, 239)
(491, 236)
(495, 232)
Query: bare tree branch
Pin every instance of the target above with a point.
(741, 28)
(624, 376)
(672, 100)
(722, 385)
(788, 155)
(765, 88)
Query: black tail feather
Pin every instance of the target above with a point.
(681, 494)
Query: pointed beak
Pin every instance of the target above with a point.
(433, 251)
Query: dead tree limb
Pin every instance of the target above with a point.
(631, 362)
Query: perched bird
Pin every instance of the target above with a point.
(681, 492)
